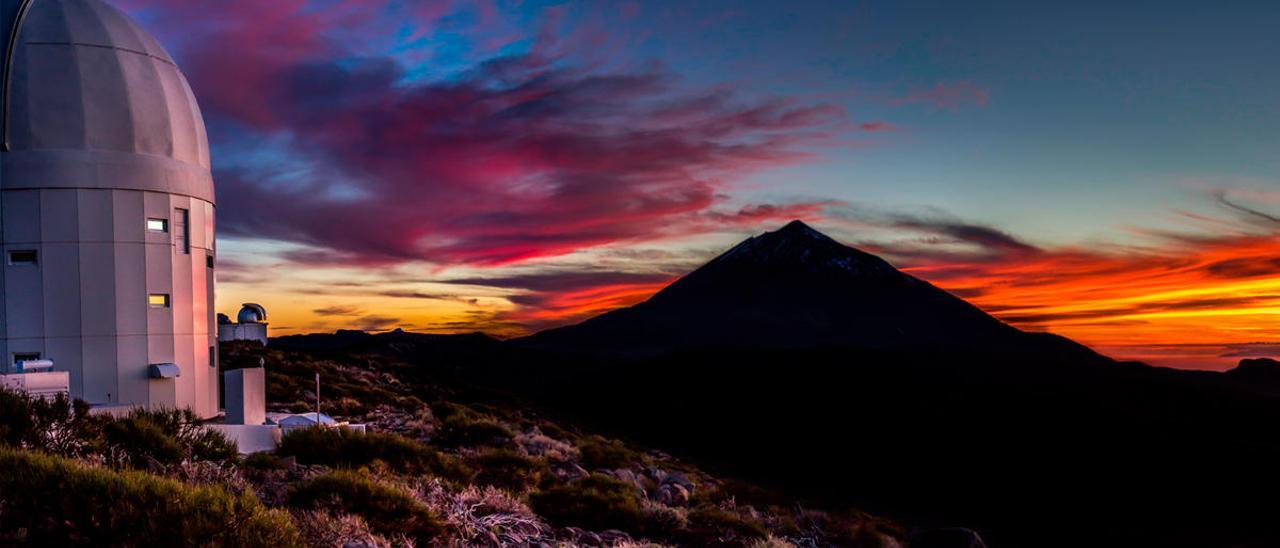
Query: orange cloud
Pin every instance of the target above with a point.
(577, 305)
(1182, 306)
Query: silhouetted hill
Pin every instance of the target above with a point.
(822, 371)
(1261, 370)
(797, 288)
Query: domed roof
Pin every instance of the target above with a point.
(251, 313)
(84, 84)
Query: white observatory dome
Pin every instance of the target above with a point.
(251, 313)
(91, 98)
(108, 209)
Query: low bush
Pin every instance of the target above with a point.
(139, 440)
(60, 502)
(167, 436)
(509, 470)
(321, 528)
(349, 448)
(57, 426)
(445, 410)
(713, 525)
(265, 460)
(344, 407)
(664, 521)
(595, 502)
(554, 431)
(464, 430)
(387, 509)
(607, 454)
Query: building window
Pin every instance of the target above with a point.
(158, 225)
(208, 261)
(23, 257)
(19, 357)
(158, 300)
(181, 236)
(213, 356)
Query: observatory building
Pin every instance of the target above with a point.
(106, 210)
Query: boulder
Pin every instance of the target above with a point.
(677, 478)
(672, 494)
(581, 537)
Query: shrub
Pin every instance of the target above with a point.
(509, 470)
(605, 454)
(58, 502)
(387, 509)
(345, 407)
(16, 422)
(463, 430)
(709, 524)
(554, 431)
(595, 502)
(321, 528)
(484, 516)
(664, 521)
(350, 448)
(140, 439)
(56, 426)
(168, 436)
(445, 410)
(198, 442)
(265, 460)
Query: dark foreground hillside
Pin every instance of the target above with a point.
(1030, 453)
(442, 465)
(555, 481)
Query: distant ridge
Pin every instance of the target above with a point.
(796, 287)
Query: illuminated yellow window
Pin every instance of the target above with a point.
(158, 300)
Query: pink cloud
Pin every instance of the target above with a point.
(523, 156)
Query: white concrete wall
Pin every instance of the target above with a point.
(250, 438)
(84, 304)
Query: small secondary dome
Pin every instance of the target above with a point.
(252, 313)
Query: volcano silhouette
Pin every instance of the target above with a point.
(794, 288)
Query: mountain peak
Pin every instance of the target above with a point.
(798, 229)
(796, 225)
(795, 287)
(800, 245)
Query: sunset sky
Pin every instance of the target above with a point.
(1107, 173)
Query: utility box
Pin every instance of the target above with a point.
(246, 396)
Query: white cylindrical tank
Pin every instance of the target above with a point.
(106, 208)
